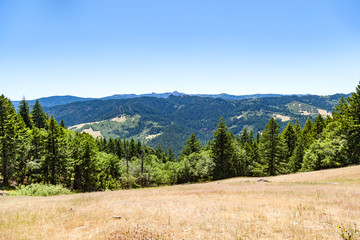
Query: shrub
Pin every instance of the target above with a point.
(37, 189)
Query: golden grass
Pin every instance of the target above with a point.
(298, 206)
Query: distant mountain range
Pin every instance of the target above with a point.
(168, 119)
(59, 100)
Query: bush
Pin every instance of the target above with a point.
(37, 189)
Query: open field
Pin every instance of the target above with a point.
(299, 206)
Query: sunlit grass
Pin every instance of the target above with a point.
(287, 207)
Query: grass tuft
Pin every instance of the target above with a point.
(37, 189)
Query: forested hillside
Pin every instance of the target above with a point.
(36, 149)
(169, 121)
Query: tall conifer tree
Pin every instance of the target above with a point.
(272, 149)
(24, 111)
(38, 115)
(222, 151)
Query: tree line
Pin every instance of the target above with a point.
(35, 148)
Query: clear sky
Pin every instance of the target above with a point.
(99, 48)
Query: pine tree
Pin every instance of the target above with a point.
(317, 127)
(272, 149)
(353, 133)
(22, 149)
(289, 137)
(55, 152)
(119, 151)
(192, 145)
(244, 137)
(297, 129)
(62, 124)
(222, 151)
(160, 153)
(8, 141)
(171, 156)
(297, 157)
(307, 133)
(38, 115)
(133, 149)
(24, 111)
(85, 165)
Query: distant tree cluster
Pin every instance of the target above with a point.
(34, 148)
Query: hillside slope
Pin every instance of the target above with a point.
(171, 120)
(309, 206)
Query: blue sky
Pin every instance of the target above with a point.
(99, 48)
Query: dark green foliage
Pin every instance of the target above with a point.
(49, 153)
(353, 132)
(288, 136)
(297, 157)
(38, 115)
(318, 127)
(176, 117)
(55, 153)
(8, 139)
(62, 123)
(192, 145)
(272, 149)
(222, 151)
(307, 133)
(24, 111)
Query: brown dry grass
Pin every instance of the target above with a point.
(299, 206)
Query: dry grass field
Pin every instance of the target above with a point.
(298, 206)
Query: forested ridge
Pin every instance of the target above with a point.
(173, 119)
(35, 148)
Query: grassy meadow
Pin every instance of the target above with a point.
(314, 205)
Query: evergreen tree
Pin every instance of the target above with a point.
(120, 152)
(24, 111)
(192, 145)
(8, 141)
(297, 157)
(62, 124)
(353, 133)
(54, 165)
(171, 156)
(289, 137)
(251, 137)
(85, 165)
(38, 115)
(133, 149)
(272, 149)
(328, 120)
(222, 151)
(307, 133)
(244, 137)
(36, 151)
(22, 149)
(317, 127)
(297, 129)
(160, 153)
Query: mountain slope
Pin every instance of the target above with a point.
(170, 121)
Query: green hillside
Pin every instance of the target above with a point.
(170, 121)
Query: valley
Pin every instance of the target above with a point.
(169, 121)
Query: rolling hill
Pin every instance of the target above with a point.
(59, 100)
(169, 121)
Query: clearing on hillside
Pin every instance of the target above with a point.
(314, 205)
